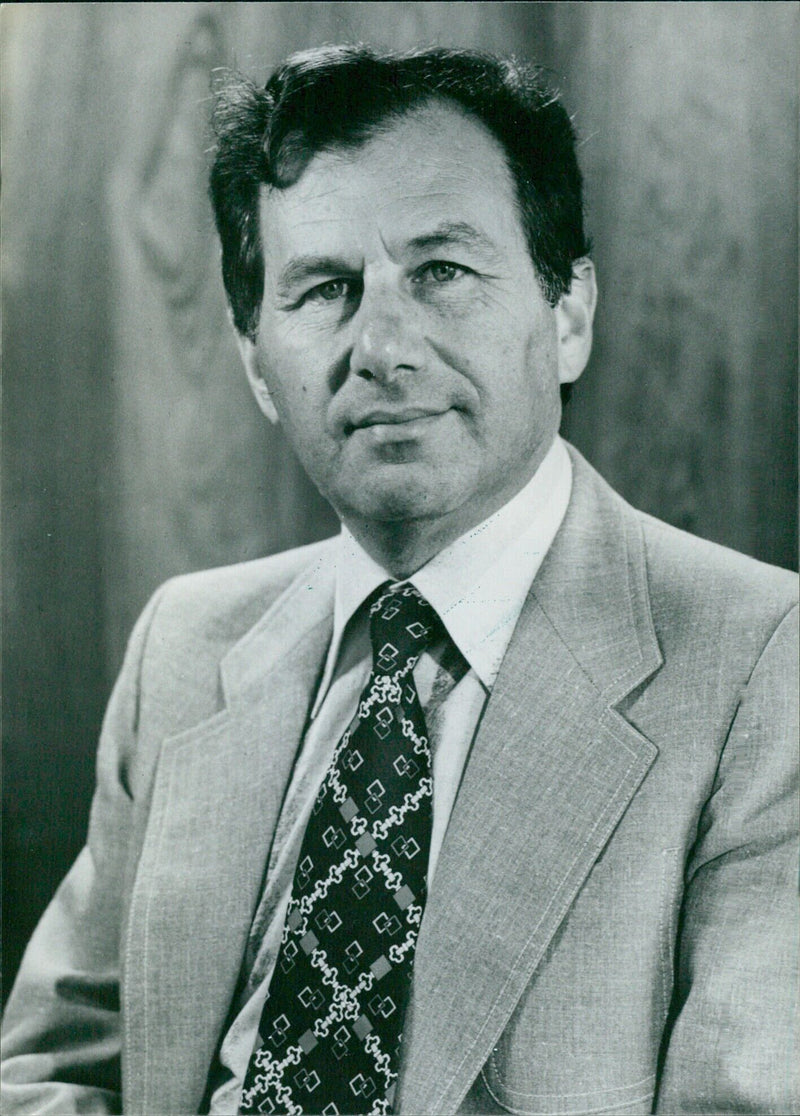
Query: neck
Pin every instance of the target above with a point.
(403, 546)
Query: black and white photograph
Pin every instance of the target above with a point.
(400, 547)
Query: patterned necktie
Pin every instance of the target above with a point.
(329, 1036)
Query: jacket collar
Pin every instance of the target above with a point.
(593, 587)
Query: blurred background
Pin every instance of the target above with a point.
(132, 450)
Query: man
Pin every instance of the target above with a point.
(488, 804)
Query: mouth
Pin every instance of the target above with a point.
(394, 422)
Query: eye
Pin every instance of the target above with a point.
(441, 271)
(330, 291)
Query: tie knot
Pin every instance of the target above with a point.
(401, 624)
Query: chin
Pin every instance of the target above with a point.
(398, 499)
(391, 507)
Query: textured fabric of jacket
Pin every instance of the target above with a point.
(613, 922)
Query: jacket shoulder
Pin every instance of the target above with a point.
(714, 611)
(194, 620)
(220, 605)
(710, 607)
(690, 572)
(683, 571)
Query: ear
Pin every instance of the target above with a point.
(574, 316)
(249, 354)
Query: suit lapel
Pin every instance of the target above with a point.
(216, 799)
(551, 772)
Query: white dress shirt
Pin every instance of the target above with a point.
(477, 585)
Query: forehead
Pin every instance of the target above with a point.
(435, 164)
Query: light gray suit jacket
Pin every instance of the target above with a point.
(612, 926)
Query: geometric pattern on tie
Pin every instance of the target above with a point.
(330, 1032)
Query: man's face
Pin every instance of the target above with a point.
(404, 342)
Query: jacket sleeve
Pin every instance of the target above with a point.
(61, 1029)
(731, 1048)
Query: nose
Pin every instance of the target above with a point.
(388, 336)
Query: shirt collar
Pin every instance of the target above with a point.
(477, 584)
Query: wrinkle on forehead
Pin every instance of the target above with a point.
(435, 164)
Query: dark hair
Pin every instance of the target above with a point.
(340, 97)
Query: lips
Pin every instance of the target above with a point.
(385, 417)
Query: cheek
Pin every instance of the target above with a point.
(303, 365)
(521, 388)
(284, 364)
(480, 342)
(293, 397)
(506, 326)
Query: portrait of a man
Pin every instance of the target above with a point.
(487, 802)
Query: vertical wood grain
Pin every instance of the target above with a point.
(690, 152)
(56, 450)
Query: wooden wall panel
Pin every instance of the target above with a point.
(689, 117)
(56, 450)
(132, 450)
(200, 478)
